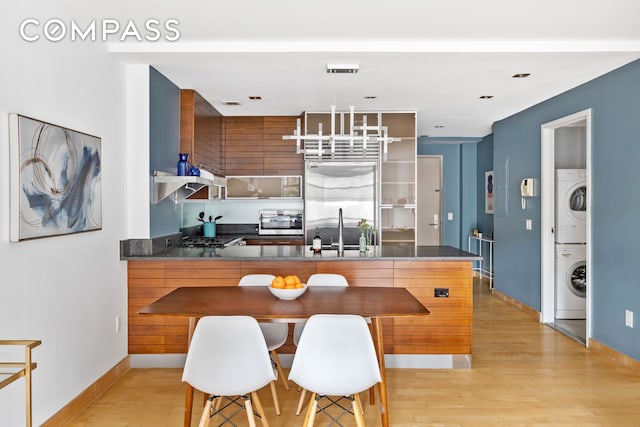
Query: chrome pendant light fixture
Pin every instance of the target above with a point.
(362, 142)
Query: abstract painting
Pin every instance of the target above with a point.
(488, 192)
(55, 180)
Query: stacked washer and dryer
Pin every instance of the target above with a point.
(571, 239)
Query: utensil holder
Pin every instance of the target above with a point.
(209, 229)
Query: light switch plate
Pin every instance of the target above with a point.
(528, 225)
(450, 216)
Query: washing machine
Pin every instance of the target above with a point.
(571, 281)
(571, 206)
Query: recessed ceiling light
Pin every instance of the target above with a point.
(255, 98)
(486, 97)
(521, 75)
(343, 68)
(370, 97)
(438, 126)
(231, 102)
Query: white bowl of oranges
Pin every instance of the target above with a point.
(288, 287)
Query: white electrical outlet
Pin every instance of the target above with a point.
(628, 318)
(117, 323)
(450, 216)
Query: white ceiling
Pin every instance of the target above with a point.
(436, 57)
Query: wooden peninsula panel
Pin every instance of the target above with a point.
(447, 330)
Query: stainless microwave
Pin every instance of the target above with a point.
(280, 222)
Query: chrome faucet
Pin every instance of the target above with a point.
(340, 235)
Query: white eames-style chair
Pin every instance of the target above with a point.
(318, 279)
(335, 357)
(275, 334)
(228, 357)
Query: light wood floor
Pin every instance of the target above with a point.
(524, 374)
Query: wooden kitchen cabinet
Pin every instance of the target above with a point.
(244, 146)
(201, 132)
(254, 146)
(201, 136)
(447, 329)
(280, 156)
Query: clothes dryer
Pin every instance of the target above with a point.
(571, 206)
(571, 281)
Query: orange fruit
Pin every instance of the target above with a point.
(278, 282)
(299, 285)
(297, 279)
(290, 281)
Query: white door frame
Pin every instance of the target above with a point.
(547, 207)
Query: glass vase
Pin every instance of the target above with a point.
(362, 242)
(183, 164)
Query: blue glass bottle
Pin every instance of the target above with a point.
(183, 164)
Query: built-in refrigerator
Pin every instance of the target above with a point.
(329, 186)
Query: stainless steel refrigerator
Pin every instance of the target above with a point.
(329, 186)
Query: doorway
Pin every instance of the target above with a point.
(429, 201)
(560, 156)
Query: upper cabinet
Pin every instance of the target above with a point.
(201, 137)
(244, 147)
(254, 146)
(280, 157)
(398, 180)
(264, 187)
(399, 168)
(201, 132)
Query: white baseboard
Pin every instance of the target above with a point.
(402, 361)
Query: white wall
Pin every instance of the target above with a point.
(571, 148)
(64, 290)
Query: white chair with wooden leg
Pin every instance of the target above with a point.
(275, 334)
(318, 279)
(335, 357)
(228, 357)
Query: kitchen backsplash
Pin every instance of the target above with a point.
(232, 211)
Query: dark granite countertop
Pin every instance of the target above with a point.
(303, 253)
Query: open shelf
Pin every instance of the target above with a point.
(164, 185)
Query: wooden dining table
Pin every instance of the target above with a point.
(375, 303)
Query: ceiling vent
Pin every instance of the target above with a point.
(342, 68)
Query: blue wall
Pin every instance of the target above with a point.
(164, 134)
(615, 201)
(484, 151)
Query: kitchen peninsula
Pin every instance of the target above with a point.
(439, 276)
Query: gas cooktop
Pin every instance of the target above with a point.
(215, 242)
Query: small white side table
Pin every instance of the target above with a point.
(485, 269)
